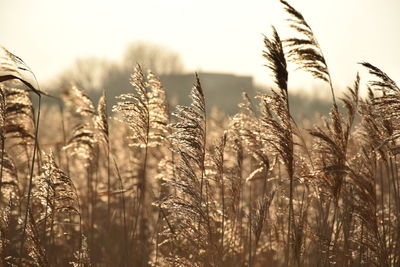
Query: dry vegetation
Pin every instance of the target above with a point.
(144, 189)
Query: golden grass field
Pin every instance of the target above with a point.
(155, 185)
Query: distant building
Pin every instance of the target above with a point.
(221, 90)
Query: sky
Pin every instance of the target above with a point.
(221, 36)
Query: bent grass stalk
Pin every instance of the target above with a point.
(28, 201)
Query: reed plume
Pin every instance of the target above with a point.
(145, 113)
(190, 203)
(277, 121)
(305, 50)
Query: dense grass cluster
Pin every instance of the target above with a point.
(145, 188)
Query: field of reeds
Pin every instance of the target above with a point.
(154, 185)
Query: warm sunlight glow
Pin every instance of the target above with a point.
(223, 36)
(199, 133)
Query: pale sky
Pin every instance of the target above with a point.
(210, 35)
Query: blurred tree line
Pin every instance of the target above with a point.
(95, 75)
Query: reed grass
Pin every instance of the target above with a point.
(144, 188)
